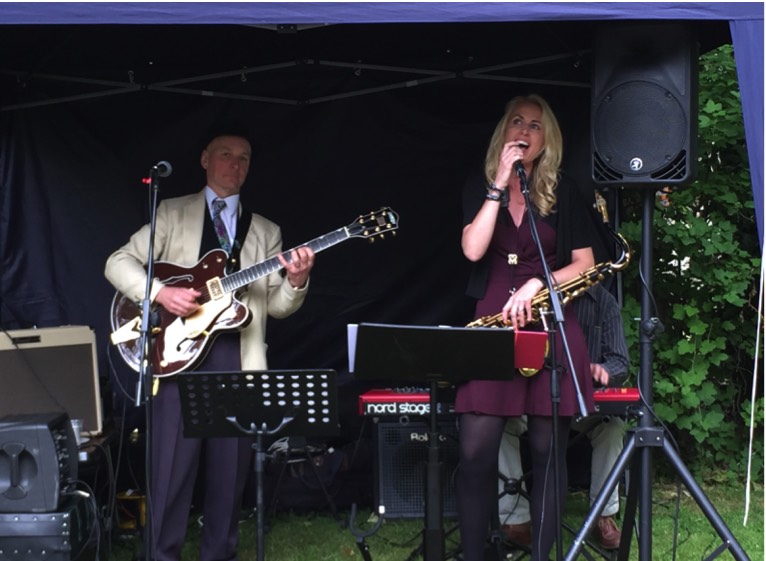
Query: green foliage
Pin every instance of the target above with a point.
(705, 284)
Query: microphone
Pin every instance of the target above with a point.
(518, 167)
(163, 168)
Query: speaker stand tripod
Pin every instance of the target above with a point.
(644, 439)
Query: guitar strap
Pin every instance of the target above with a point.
(243, 225)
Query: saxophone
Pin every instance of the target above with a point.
(571, 289)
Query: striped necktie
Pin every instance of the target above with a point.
(220, 228)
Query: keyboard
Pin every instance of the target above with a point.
(394, 402)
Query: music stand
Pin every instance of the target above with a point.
(433, 355)
(259, 402)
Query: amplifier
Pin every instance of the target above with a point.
(38, 462)
(402, 456)
(55, 536)
(51, 369)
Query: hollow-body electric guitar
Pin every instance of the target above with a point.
(180, 343)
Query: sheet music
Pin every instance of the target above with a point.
(351, 330)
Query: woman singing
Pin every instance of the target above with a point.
(507, 275)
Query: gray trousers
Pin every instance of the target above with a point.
(606, 436)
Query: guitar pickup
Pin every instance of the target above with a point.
(214, 289)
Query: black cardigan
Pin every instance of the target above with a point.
(571, 219)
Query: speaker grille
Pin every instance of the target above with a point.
(402, 461)
(644, 103)
(639, 128)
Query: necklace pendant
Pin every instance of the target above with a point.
(513, 259)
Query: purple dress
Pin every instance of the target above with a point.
(521, 395)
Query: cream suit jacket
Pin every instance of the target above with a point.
(178, 235)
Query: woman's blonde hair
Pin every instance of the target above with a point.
(546, 167)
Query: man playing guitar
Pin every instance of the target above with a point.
(188, 228)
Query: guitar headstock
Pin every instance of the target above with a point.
(374, 225)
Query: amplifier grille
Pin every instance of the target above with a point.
(402, 454)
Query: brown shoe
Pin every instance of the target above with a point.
(607, 533)
(519, 534)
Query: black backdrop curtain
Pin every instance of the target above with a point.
(77, 194)
(71, 188)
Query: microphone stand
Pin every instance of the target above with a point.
(558, 320)
(144, 387)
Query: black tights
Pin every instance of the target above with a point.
(477, 481)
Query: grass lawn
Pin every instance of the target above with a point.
(678, 524)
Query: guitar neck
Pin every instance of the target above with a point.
(244, 277)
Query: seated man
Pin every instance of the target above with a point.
(599, 315)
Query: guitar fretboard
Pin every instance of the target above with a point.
(244, 277)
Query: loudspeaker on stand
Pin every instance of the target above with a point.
(644, 104)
